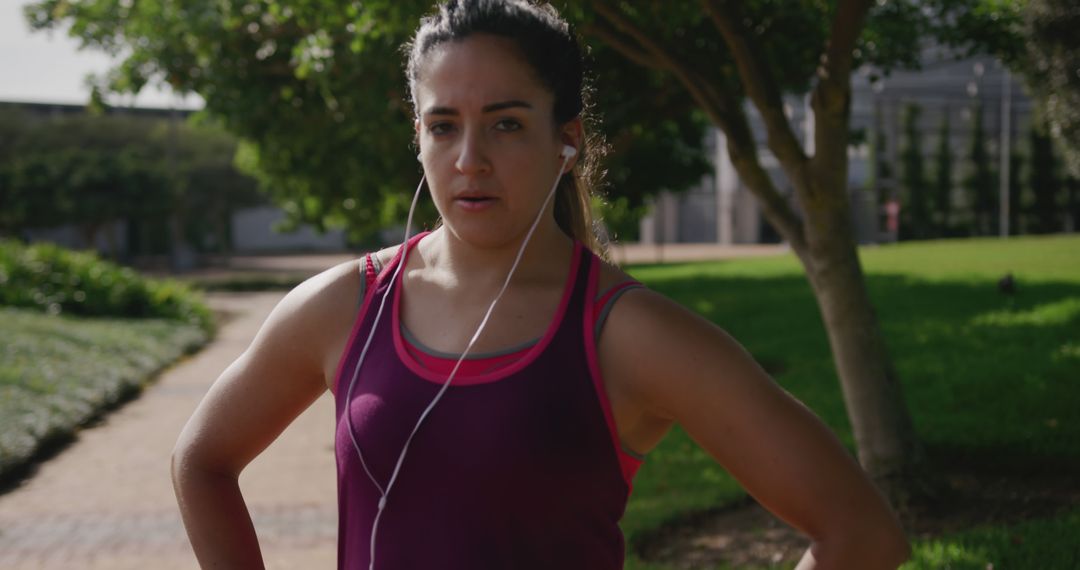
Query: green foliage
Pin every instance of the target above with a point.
(88, 170)
(317, 89)
(916, 221)
(943, 176)
(55, 280)
(318, 92)
(620, 219)
(1051, 58)
(59, 372)
(1044, 181)
(80, 170)
(940, 310)
(981, 180)
(1016, 189)
(880, 176)
(1044, 544)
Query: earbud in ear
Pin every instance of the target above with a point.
(420, 157)
(568, 151)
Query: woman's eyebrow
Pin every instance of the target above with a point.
(490, 108)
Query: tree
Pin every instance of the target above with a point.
(90, 170)
(317, 92)
(1072, 209)
(880, 178)
(943, 176)
(1044, 181)
(722, 52)
(81, 170)
(917, 222)
(1016, 190)
(306, 80)
(1052, 54)
(981, 181)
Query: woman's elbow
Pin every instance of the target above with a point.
(882, 547)
(894, 548)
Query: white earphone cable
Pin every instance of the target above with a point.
(567, 154)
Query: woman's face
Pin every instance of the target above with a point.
(487, 138)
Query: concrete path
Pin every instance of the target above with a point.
(632, 253)
(107, 501)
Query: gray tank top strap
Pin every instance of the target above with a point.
(597, 327)
(606, 309)
(374, 260)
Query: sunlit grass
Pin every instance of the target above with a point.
(57, 372)
(981, 370)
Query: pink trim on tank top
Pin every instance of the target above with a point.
(462, 379)
(475, 366)
(470, 366)
(627, 463)
(369, 293)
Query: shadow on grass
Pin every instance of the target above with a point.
(984, 374)
(59, 440)
(968, 356)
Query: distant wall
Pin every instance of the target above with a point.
(252, 231)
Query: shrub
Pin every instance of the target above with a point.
(57, 280)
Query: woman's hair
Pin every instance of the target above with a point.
(547, 43)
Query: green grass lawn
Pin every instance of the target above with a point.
(58, 372)
(982, 372)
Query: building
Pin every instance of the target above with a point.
(722, 210)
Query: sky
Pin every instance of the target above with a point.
(49, 67)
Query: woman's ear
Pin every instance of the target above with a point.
(572, 133)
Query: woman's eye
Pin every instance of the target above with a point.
(508, 125)
(440, 128)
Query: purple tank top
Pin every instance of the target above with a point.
(519, 469)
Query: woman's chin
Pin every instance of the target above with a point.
(484, 234)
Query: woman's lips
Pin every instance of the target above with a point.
(475, 203)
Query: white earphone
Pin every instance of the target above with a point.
(567, 152)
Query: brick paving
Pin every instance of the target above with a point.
(310, 264)
(106, 501)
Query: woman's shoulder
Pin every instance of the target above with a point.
(321, 309)
(342, 282)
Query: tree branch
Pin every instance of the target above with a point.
(727, 114)
(831, 99)
(633, 53)
(760, 86)
(713, 105)
(847, 25)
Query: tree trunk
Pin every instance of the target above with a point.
(884, 436)
(823, 237)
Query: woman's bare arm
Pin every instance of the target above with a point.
(686, 369)
(250, 404)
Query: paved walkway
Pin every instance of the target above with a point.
(107, 500)
(311, 264)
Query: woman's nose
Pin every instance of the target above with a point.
(472, 156)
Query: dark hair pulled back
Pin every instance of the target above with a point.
(548, 44)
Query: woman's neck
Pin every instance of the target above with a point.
(457, 263)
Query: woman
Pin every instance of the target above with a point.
(495, 415)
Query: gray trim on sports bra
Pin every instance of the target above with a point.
(493, 354)
(600, 319)
(408, 336)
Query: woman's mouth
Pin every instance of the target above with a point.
(475, 203)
